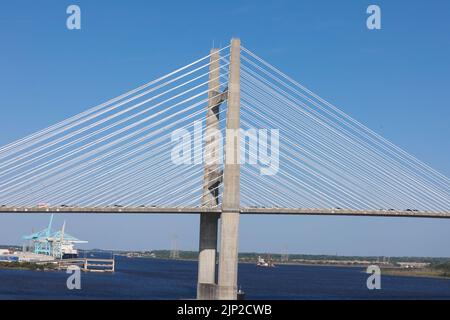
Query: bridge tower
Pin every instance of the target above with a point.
(212, 179)
(228, 260)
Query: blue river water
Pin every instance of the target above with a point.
(137, 278)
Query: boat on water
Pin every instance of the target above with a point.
(263, 263)
(68, 250)
(240, 294)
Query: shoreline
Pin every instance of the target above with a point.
(32, 266)
(391, 271)
(424, 273)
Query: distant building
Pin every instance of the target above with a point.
(413, 265)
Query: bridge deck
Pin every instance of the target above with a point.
(251, 210)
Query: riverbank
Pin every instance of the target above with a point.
(397, 266)
(430, 272)
(423, 272)
(27, 266)
(435, 271)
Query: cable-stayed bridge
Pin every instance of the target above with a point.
(225, 135)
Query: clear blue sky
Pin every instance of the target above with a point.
(396, 81)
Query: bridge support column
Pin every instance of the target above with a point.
(206, 285)
(228, 261)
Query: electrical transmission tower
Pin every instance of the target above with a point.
(285, 254)
(174, 252)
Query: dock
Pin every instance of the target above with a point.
(88, 264)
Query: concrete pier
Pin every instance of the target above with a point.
(206, 285)
(228, 260)
(88, 264)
